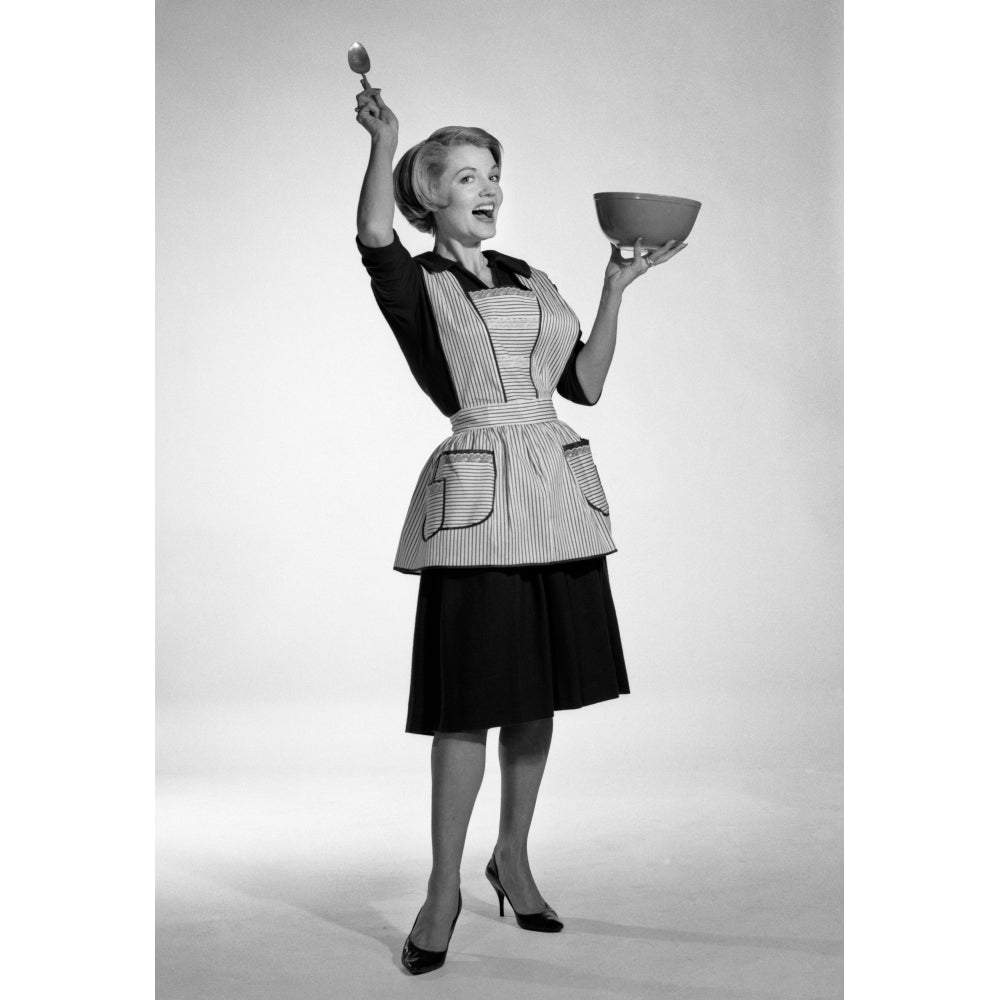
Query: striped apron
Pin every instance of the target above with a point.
(512, 485)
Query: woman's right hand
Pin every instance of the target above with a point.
(375, 117)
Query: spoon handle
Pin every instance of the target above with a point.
(364, 80)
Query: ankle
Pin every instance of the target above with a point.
(444, 883)
(512, 854)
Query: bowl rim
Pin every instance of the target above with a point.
(639, 196)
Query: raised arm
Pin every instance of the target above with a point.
(594, 360)
(376, 205)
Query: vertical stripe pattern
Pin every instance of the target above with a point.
(513, 485)
(512, 318)
(466, 341)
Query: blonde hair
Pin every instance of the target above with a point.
(419, 170)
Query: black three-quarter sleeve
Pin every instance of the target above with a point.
(568, 385)
(401, 296)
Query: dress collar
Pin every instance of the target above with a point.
(435, 262)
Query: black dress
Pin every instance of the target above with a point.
(494, 646)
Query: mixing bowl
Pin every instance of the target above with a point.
(657, 218)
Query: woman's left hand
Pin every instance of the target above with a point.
(620, 273)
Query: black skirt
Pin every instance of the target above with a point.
(499, 646)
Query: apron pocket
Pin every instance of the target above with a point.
(581, 464)
(461, 493)
(433, 509)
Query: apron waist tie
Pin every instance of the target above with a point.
(521, 411)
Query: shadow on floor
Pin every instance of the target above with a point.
(344, 902)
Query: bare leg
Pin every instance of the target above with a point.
(524, 749)
(457, 764)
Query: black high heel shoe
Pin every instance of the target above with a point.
(546, 920)
(417, 960)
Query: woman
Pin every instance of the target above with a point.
(508, 526)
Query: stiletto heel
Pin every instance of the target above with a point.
(417, 960)
(546, 920)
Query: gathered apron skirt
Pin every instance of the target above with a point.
(504, 645)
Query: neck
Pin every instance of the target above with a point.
(470, 257)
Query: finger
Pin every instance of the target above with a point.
(657, 252)
(667, 251)
(647, 259)
(653, 257)
(676, 250)
(616, 254)
(368, 97)
(637, 249)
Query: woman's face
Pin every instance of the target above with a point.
(470, 188)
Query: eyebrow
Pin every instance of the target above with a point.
(460, 169)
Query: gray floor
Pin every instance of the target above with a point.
(713, 878)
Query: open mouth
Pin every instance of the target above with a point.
(485, 212)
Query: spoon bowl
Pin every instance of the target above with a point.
(357, 59)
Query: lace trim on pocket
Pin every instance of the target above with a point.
(581, 464)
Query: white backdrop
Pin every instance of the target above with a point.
(290, 432)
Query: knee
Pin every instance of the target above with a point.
(462, 736)
(533, 732)
(533, 726)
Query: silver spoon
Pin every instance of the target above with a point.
(357, 59)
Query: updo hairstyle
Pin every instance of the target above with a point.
(419, 171)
